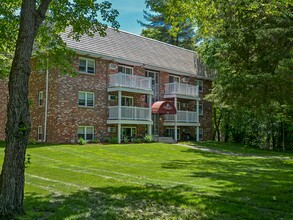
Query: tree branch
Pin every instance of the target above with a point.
(41, 12)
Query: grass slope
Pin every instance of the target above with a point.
(155, 181)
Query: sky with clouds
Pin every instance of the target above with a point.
(129, 12)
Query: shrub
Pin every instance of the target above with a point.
(107, 140)
(126, 140)
(32, 141)
(114, 140)
(148, 138)
(96, 141)
(81, 141)
(138, 140)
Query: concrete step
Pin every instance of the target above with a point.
(167, 140)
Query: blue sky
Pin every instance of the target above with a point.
(129, 12)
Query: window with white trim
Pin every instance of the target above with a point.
(125, 69)
(85, 132)
(200, 133)
(127, 101)
(200, 109)
(86, 99)
(199, 83)
(86, 65)
(40, 133)
(41, 98)
(174, 79)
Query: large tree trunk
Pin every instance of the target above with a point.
(18, 120)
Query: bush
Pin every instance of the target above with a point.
(114, 140)
(81, 141)
(107, 140)
(126, 140)
(148, 138)
(32, 141)
(138, 140)
(96, 141)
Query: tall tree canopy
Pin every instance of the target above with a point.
(157, 28)
(250, 44)
(24, 25)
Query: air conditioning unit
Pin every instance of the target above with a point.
(112, 97)
(185, 79)
(113, 66)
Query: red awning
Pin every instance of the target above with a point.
(163, 107)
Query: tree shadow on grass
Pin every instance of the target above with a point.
(246, 187)
(125, 202)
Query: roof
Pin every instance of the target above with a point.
(123, 46)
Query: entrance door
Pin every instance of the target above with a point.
(170, 132)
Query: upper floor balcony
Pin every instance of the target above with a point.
(130, 83)
(129, 115)
(181, 90)
(184, 118)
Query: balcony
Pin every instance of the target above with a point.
(184, 118)
(130, 115)
(130, 83)
(181, 90)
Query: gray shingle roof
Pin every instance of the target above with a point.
(133, 48)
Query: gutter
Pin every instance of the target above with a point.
(46, 102)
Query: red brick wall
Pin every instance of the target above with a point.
(206, 118)
(3, 106)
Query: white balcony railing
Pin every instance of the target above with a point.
(181, 89)
(183, 116)
(129, 113)
(130, 81)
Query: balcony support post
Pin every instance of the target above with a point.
(119, 115)
(175, 127)
(150, 115)
(197, 120)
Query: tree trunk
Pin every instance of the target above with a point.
(18, 120)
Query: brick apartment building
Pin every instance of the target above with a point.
(128, 86)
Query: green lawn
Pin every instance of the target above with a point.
(156, 181)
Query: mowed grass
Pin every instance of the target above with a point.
(155, 181)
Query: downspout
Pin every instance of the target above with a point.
(46, 102)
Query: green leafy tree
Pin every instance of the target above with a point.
(250, 45)
(24, 25)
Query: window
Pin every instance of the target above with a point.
(40, 133)
(174, 79)
(86, 65)
(127, 101)
(41, 98)
(86, 132)
(199, 83)
(200, 134)
(111, 129)
(86, 99)
(200, 109)
(125, 69)
(128, 132)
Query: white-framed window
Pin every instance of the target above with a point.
(86, 99)
(40, 133)
(200, 133)
(200, 109)
(86, 65)
(173, 78)
(199, 83)
(127, 101)
(128, 132)
(111, 129)
(125, 69)
(41, 98)
(85, 132)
